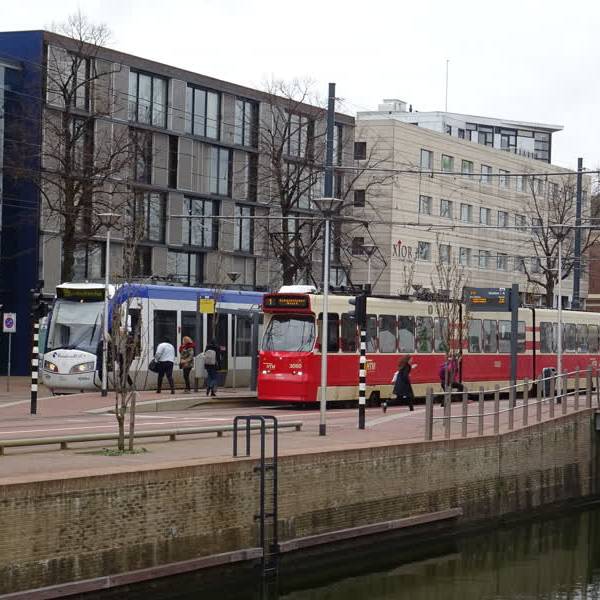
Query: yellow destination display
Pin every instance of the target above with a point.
(285, 301)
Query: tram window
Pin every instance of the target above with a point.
(387, 333)
(371, 333)
(348, 333)
(570, 337)
(333, 325)
(490, 336)
(546, 337)
(504, 336)
(441, 338)
(521, 337)
(406, 334)
(243, 333)
(424, 332)
(289, 333)
(188, 327)
(593, 338)
(475, 335)
(582, 338)
(165, 327)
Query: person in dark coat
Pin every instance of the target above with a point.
(212, 363)
(402, 386)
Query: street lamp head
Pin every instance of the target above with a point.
(369, 249)
(328, 206)
(233, 275)
(108, 219)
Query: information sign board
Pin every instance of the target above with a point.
(9, 323)
(488, 299)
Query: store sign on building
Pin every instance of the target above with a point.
(402, 251)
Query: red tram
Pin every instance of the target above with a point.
(290, 358)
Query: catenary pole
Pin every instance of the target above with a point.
(576, 303)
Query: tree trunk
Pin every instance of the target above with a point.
(121, 421)
(550, 294)
(288, 270)
(132, 420)
(68, 251)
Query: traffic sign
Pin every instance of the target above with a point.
(9, 323)
(206, 305)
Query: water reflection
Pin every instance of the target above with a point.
(550, 559)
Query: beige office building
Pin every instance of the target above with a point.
(450, 200)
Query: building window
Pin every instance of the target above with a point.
(486, 174)
(466, 167)
(449, 129)
(89, 261)
(360, 150)
(485, 215)
(338, 144)
(220, 171)
(536, 265)
(147, 99)
(520, 222)
(425, 205)
(554, 190)
(542, 145)
(461, 133)
(504, 178)
(68, 79)
(502, 262)
(445, 253)
(246, 123)
(202, 229)
(520, 183)
(186, 267)
(426, 163)
(485, 135)
(357, 245)
(464, 257)
(446, 208)
(424, 251)
(519, 264)
(360, 198)
(243, 228)
(536, 225)
(173, 160)
(447, 163)
(466, 213)
(502, 218)
(508, 140)
(149, 216)
(484, 257)
(142, 160)
(299, 135)
(142, 264)
(202, 112)
(540, 187)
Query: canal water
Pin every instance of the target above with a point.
(557, 558)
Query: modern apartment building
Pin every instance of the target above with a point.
(533, 140)
(452, 200)
(193, 148)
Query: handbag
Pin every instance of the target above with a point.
(153, 366)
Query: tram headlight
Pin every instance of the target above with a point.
(50, 366)
(85, 367)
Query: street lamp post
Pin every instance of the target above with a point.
(559, 339)
(109, 220)
(234, 276)
(327, 206)
(369, 250)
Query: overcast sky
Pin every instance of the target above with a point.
(526, 60)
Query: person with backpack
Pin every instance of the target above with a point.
(402, 386)
(211, 364)
(449, 376)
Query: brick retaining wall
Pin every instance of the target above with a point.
(57, 531)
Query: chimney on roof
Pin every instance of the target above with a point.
(392, 105)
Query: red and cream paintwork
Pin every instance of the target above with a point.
(293, 376)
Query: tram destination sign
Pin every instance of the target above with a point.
(488, 299)
(81, 294)
(286, 301)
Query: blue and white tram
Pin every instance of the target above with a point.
(167, 312)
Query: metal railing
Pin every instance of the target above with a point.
(550, 392)
(172, 434)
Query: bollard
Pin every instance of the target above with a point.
(511, 407)
(429, 414)
(465, 412)
(564, 390)
(525, 402)
(576, 396)
(447, 415)
(496, 409)
(552, 394)
(481, 410)
(538, 407)
(588, 387)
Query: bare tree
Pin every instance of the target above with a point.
(292, 145)
(85, 158)
(551, 212)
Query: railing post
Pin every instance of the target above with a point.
(576, 400)
(588, 387)
(597, 387)
(496, 409)
(539, 395)
(564, 389)
(429, 414)
(511, 406)
(447, 415)
(465, 411)
(525, 402)
(552, 394)
(481, 410)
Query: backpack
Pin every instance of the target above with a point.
(210, 357)
(442, 372)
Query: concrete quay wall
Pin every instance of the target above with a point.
(76, 529)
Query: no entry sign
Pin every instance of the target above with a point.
(9, 323)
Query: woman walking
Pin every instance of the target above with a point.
(402, 386)
(211, 364)
(186, 359)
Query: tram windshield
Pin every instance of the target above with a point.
(75, 325)
(290, 333)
